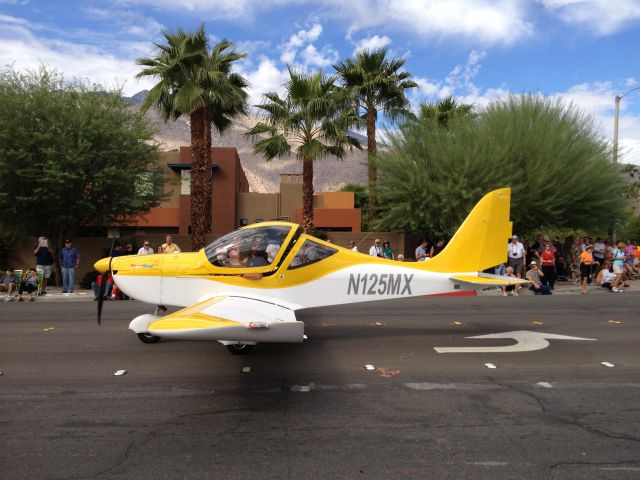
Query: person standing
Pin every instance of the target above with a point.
(169, 246)
(516, 256)
(353, 246)
(421, 251)
(437, 248)
(599, 251)
(618, 267)
(387, 251)
(548, 265)
(69, 261)
(586, 264)
(376, 249)
(44, 260)
(145, 249)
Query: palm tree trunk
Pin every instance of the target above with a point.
(199, 166)
(371, 160)
(209, 174)
(307, 194)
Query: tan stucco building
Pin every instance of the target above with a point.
(233, 205)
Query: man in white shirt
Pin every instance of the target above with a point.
(599, 251)
(516, 256)
(272, 251)
(146, 249)
(376, 249)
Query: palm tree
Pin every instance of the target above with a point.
(198, 82)
(376, 85)
(444, 110)
(312, 118)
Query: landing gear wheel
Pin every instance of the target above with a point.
(148, 338)
(240, 348)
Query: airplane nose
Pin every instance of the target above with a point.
(102, 265)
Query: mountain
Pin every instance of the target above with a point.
(329, 173)
(138, 97)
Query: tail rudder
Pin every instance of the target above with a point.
(481, 240)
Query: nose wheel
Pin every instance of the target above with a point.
(146, 337)
(240, 348)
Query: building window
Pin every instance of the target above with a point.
(185, 182)
(258, 220)
(244, 222)
(149, 183)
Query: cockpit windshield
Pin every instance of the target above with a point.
(249, 247)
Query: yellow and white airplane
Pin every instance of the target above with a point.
(245, 287)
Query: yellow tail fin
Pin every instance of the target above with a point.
(481, 240)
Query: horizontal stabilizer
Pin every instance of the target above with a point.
(486, 280)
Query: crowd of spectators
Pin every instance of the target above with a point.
(578, 260)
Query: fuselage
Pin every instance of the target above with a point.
(297, 276)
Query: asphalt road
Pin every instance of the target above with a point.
(311, 411)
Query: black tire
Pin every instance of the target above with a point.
(148, 338)
(240, 348)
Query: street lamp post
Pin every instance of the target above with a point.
(615, 123)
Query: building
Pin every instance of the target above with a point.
(232, 204)
(333, 211)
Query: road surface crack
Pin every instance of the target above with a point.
(561, 419)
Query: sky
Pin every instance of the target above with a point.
(582, 51)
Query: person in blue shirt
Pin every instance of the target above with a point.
(69, 261)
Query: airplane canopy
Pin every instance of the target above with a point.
(257, 245)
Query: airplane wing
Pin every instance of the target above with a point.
(232, 318)
(486, 280)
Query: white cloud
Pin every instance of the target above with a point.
(598, 99)
(603, 17)
(267, 77)
(300, 52)
(372, 43)
(459, 82)
(482, 21)
(291, 48)
(24, 50)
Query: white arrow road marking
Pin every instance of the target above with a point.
(526, 341)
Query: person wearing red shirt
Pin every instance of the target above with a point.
(548, 264)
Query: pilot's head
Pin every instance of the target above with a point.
(259, 246)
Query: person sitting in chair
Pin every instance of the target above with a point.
(29, 284)
(8, 283)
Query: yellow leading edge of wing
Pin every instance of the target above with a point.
(190, 321)
(192, 318)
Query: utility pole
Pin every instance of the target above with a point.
(616, 119)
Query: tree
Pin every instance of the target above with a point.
(313, 118)
(73, 157)
(553, 158)
(443, 111)
(375, 84)
(198, 82)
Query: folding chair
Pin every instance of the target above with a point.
(40, 275)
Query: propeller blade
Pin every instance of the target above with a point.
(103, 282)
(101, 289)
